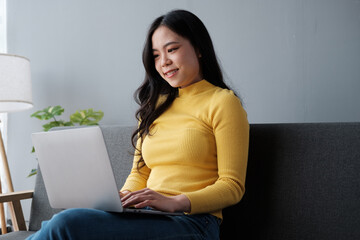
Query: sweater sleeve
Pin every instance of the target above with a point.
(137, 179)
(231, 131)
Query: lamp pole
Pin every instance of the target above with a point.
(2, 210)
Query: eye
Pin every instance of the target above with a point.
(173, 49)
(156, 56)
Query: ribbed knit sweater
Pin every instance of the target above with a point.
(198, 147)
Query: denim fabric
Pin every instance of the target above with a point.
(95, 224)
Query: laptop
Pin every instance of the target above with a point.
(77, 171)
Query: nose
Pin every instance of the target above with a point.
(165, 61)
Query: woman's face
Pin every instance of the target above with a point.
(175, 58)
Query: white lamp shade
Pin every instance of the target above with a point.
(15, 83)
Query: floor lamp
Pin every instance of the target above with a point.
(15, 95)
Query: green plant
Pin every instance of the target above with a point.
(81, 117)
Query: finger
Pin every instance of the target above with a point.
(156, 201)
(124, 193)
(130, 194)
(136, 199)
(146, 203)
(127, 196)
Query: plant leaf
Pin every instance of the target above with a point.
(32, 172)
(56, 111)
(87, 117)
(53, 124)
(48, 113)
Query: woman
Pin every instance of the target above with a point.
(191, 148)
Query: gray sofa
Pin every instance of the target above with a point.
(303, 182)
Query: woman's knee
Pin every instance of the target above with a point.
(66, 217)
(65, 224)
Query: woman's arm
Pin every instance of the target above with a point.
(231, 130)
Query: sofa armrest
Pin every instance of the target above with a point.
(13, 199)
(16, 196)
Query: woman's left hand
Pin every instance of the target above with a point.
(149, 198)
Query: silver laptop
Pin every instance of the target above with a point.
(77, 172)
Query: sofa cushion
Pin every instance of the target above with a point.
(21, 235)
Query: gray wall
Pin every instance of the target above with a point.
(290, 60)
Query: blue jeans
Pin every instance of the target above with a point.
(95, 224)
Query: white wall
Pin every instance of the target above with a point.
(290, 60)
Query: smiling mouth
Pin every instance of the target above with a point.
(171, 73)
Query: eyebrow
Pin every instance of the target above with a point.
(167, 44)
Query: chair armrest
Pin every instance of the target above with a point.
(16, 196)
(13, 199)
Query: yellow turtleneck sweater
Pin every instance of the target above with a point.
(198, 147)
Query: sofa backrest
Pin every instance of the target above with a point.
(303, 182)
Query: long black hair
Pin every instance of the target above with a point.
(189, 26)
